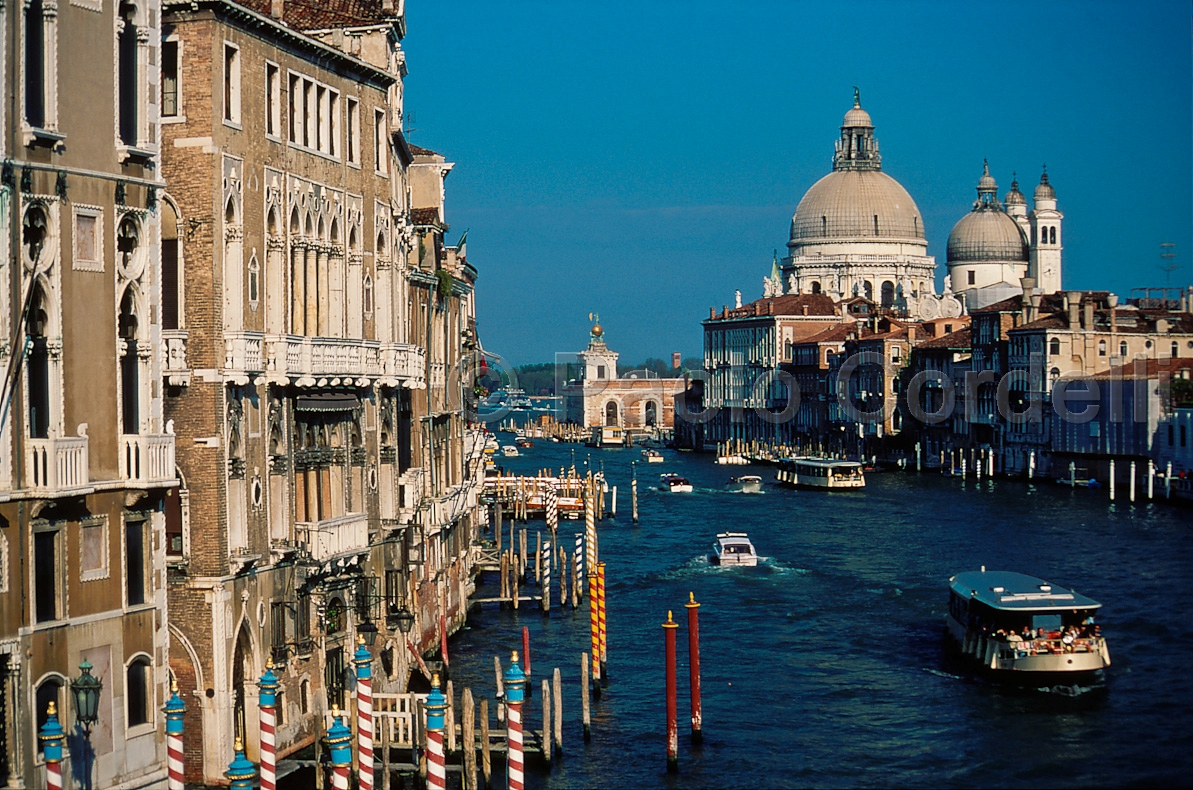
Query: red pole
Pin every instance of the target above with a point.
(694, 664)
(526, 653)
(669, 628)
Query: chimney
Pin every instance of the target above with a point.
(770, 308)
(387, 6)
(805, 309)
(1088, 322)
(277, 8)
(724, 311)
(1036, 299)
(712, 313)
(1072, 304)
(1029, 285)
(676, 360)
(1112, 303)
(911, 334)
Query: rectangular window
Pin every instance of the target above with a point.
(45, 575)
(1171, 435)
(278, 615)
(295, 108)
(173, 508)
(273, 100)
(320, 118)
(35, 77)
(231, 83)
(134, 562)
(308, 118)
(333, 139)
(170, 107)
(970, 274)
(138, 693)
(93, 552)
(302, 624)
(380, 150)
(1184, 437)
(352, 149)
(334, 679)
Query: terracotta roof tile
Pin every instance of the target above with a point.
(962, 338)
(425, 216)
(418, 150)
(307, 15)
(1149, 368)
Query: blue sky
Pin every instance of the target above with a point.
(643, 160)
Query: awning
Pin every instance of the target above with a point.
(327, 401)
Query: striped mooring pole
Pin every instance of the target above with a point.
(694, 665)
(602, 622)
(515, 683)
(339, 743)
(578, 565)
(268, 706)
(175, 708)
(552, 504)
(241, 772)
(364, 715)
(52, 736)
(546, 580)
(436, 707)
(669, 629)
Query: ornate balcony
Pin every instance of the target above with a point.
(56, 465)
(307, 360)
(147, 459)
(329, 538)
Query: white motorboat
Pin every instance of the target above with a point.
(674, 484)
(733, 548)
(745, 484)
(1024, 630)
(509, 451)
(652, 456)
(821, 473)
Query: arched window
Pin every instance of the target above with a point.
(38, 366)
(869, 290)
(1054, 347)
(1054, 375)
(888, 293)
(368, 295)
(652, 414)
(130, 384)
(49, 690)
(815, 286)
(611, 413)
(1052, 235)
(1122, 349)
(138, 692)
(1101, 348)
(129, 73)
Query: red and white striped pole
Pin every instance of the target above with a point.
(669, 629)
(52, 737)
(515, 682)
(364, 715)
(175, 708)
(436, 706)
(267, 703)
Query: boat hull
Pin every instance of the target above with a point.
(745, 561)
(1031, 664)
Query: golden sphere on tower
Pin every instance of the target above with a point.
(597, 331)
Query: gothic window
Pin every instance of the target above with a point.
(130, 384)
(128, 243)
(171, 103)
(38, 366)
(49, 690)
(254, 283)
(1054, 347)
(368, 295)
(138, 692)
(129, 70)
(231, 83)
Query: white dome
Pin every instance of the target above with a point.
(851, 205)
(987, 235)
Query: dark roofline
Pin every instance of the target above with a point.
(251, 20)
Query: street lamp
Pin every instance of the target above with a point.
(403, 618)
(86, 689)
(368, 632)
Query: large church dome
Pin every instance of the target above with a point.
(857, 205)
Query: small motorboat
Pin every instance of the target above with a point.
(652, 456)
(733, 548)
(523, 442)
(674, 484)
(491, 445)
(509, 451)
(745, 484)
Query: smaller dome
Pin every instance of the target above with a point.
(857, 117)
(987, 183)
(1015, 197)
(987, 235)
(1045, 191)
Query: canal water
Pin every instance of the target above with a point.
(824, 666)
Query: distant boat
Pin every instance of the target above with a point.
(821, 473)
(674, 484)
(652, 456)
(509, 451)
(1023, 629)
(523, 442)
(606, 436)
(733, 548)
(745, 484)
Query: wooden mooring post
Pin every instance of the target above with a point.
(546, 739)
(584, 696)
(486, 757)
(557, 696)
(469, 737)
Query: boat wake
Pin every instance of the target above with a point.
(941, 674)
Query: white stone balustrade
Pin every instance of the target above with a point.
(174, 363)
(297, 356)
(331, 537)
(56, 464)
(147, 458)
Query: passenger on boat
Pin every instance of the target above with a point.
(1014, 637)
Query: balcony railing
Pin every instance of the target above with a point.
(297, 356)
(147, 458)
(331, 537)
(56, 464)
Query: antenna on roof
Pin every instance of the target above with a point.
(408, 124)
(1167, 265)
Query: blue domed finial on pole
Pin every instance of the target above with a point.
(52, 737)
(175, 709)
(241, 772)
(515, 681)
(339, 743)
(436, 707)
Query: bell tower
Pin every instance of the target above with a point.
(1045, 220)
(600, 364)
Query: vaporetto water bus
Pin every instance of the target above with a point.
(820, 473)
(1025, 630)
